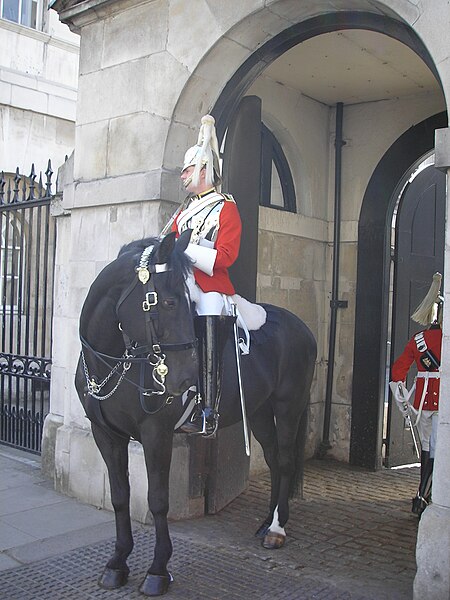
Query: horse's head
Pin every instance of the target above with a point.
(155, 315)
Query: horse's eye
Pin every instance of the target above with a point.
(169, 302)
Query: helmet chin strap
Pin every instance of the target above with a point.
(187, 182)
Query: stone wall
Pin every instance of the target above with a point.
(38, 93)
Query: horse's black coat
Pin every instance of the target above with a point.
(277, 376)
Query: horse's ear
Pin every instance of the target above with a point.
(166, 247)
(183, 240)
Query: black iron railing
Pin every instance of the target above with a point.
(27, 256)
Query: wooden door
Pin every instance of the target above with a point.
(420, 231)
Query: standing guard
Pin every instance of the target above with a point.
(423, 349)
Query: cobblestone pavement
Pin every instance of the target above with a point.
(352, 537)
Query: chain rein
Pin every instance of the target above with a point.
(156, 358)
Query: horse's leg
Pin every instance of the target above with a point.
(262, 424)
(291, 432)
(157, 443)
(114, 450)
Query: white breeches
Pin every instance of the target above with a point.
(209, 303)
(215, 303)
(427, 428)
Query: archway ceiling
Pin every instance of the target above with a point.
(352, 66)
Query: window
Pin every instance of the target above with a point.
(23, 12)
(10, 264)
(277, 186)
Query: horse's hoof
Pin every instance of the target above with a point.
(262, 531)
(112, 579)
(155, 585)
(273, 541)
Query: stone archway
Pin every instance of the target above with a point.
(371, 306)
(204, 91)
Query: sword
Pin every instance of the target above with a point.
(168, 227)
(398, 392)
(241, 388)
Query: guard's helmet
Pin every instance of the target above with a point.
(205, 153)
(430, 309)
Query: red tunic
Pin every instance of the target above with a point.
(227, 240)
(400, 368)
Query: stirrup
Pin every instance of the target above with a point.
(199, 424)
(210, 423)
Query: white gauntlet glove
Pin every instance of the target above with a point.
(401, 397)
(203, 257)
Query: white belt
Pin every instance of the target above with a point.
(425, 375)
(429, 374)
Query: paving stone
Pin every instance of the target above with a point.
(359, 547)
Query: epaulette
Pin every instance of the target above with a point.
(229, 198)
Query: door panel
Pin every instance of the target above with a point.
(419, 254)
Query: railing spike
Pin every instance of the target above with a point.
(2, 188)
(17, 179)
(31, 195)
(49, 173)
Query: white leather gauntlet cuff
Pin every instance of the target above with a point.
(204, 258)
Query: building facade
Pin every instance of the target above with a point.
(352, 100)
(38, 87)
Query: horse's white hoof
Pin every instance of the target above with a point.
(273, 541)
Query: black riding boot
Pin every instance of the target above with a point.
(212, 332)
(423, 497)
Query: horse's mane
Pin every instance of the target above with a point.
(138, 246)
(179, 263)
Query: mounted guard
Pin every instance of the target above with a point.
(215, 225)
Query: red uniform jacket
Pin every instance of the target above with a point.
(400, 368)
(222, 217)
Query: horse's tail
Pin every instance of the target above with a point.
(296, 483)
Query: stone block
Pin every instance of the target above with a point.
(115, 190)
(139, 31)
(61, 65)
(51, 425)
(229, 54)
(91, 162)
(180, 137)
(304, 302)
(340, 432)
(441, 483)
(205, 93)
(63, 108)
(160, 98)
(257, 28)
(432, 579)
(5, 95)
(202, 26)
(91, 44)
(28, 99)
(136, 143)
(442, 149)
(118, 91)
(88, 231)
(81, 472)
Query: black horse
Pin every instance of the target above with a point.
(139, 356)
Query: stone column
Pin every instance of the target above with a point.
(115, 189)
(432, 579)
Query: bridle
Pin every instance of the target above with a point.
(152, 353)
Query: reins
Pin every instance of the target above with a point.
(151, 353)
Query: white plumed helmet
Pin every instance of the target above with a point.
(427, 312)
(204, 153)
